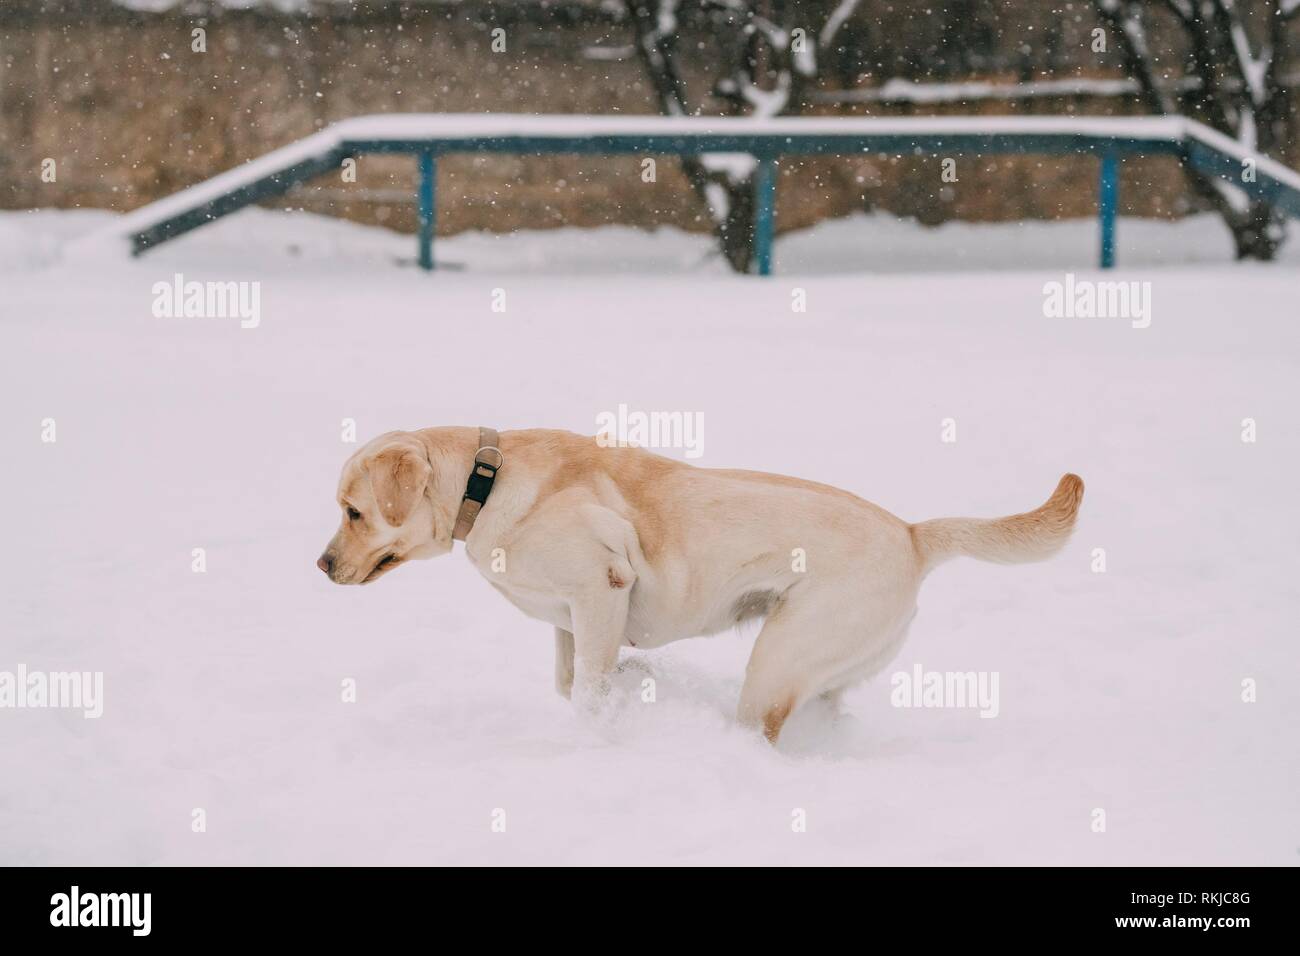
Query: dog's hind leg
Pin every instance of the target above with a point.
(785, 667)
(766, 706)
(563, 662)
(811, 644)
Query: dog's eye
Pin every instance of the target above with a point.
(354, 514)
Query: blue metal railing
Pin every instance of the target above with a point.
(1108, 208)
(427, 208)
(429, 136)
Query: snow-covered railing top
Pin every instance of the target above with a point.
(459, 126)
(430, 135)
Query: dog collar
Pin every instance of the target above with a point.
(487, 462)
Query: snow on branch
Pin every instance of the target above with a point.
(1234, 82)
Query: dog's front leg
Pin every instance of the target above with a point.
(563, 662)
(599, 621)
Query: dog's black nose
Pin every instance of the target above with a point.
(326, 563)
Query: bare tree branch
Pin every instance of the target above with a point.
(1239, 90)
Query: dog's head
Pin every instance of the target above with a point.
(388, 496)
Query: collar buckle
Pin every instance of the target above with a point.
(487, 462)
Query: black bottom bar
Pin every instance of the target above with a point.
(1228, 906)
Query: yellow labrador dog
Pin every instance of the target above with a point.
(617, 546)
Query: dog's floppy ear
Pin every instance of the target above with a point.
(398, 476)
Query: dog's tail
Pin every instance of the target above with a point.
(1031, 536)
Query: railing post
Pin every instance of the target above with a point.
(427, 210)
(1108, 207)
(764, 213)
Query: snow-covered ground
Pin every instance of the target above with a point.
(1119, 690)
